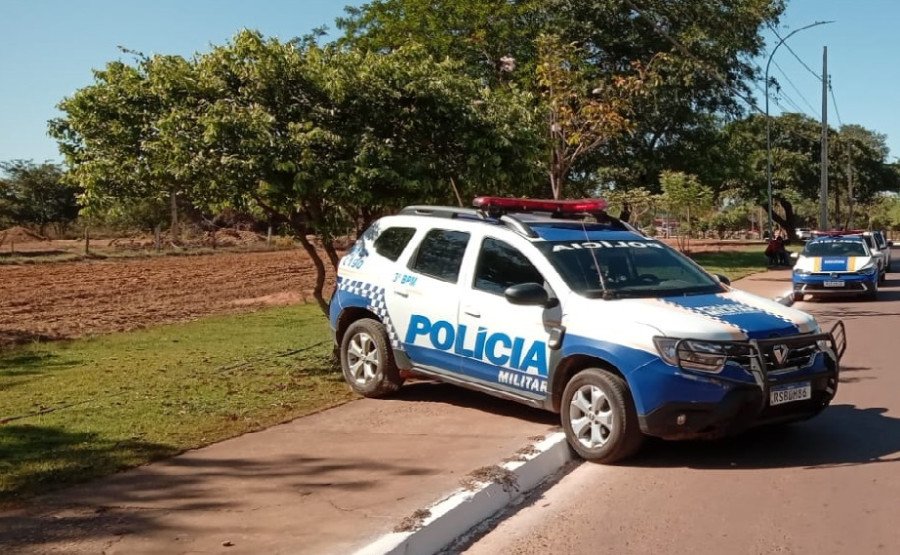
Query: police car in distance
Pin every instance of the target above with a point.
(557, 305)
(836, 264)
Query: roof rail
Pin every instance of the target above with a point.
(518, 226)
(442, 212)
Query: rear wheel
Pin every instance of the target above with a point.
(367, 360)
(599, 417)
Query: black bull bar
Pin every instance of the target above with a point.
(753, 354)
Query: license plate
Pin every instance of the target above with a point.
(789, 393)
(834, 284)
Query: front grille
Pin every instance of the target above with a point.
(797, 353)
(848, 286)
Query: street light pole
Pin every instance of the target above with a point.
(768, 119)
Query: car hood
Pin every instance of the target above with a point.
(733, 315)
(832, 263)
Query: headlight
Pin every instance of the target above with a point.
(801, 272)
(691, 353)
(868, 269)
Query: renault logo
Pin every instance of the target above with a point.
(781, 353)
(834, 274)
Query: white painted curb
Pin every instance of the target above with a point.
(463, 510)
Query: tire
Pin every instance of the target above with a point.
(367, 360)
(599, 417)
(797, 297)
(872, 294)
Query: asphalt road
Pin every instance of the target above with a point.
(828, 485)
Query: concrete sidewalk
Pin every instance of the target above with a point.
(327, 483)
(769, 284)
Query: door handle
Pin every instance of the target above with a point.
(401, 293)
(472, 312)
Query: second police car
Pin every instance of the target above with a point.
(620, 334)
(837, 264)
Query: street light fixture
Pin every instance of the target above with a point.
(768, 120)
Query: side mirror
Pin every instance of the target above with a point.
(723, 279)
(529, 294)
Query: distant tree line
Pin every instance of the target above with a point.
(434, 102)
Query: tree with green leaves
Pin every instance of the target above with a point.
(583, 114)
(326, 140)
(109, 135)
(685, 195)
(36, 195)
(702, 52)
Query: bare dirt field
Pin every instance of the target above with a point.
(73, 299)
(61, 300)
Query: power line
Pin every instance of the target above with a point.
(791, 50)
(834, 103)
(791, 83)
(659, 28)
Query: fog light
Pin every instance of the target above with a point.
(681, 419)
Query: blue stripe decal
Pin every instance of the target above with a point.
(505, 378)
(834, 263)
(754, 321)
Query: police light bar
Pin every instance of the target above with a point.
(507, 204)
(836, 232)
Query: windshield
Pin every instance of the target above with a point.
(835, 247)
(633, 268)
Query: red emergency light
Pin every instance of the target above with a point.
(507, 204)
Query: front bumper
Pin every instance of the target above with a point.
(743, 404)
(853, 283)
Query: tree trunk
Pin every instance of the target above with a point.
(320, 269)
(157, 237)
(786, 222)
(173, 232)
(87, 240)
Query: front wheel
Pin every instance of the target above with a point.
(872, 294)
(367, 360)
(599, 417)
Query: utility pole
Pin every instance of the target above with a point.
(823, 190)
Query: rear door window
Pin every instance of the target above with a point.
(440, 254)
(392, 241)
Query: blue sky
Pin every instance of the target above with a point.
(48, 47)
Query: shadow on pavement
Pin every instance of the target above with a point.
(843, 435)
(435, 392)
(854, 378)
(138, 501)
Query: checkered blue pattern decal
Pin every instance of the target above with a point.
(377, 304)
(753, 321)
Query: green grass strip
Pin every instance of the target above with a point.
(80, 409)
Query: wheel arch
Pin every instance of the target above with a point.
(571, 365)
(349, 315)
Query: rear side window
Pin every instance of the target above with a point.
(392, 241)
(879, 239)
(440, 254)
(500, 266)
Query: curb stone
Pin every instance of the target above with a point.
(464, 509)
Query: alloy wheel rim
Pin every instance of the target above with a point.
(362, 358)
(591, 416)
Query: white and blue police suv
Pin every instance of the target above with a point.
(837, 264)
(557, 305)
